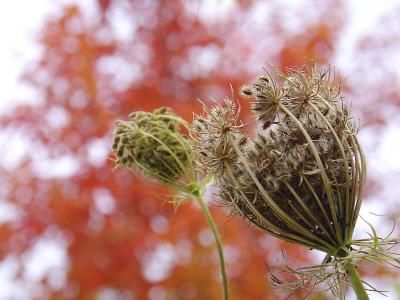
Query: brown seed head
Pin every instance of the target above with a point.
(212, 131)
(302, 177)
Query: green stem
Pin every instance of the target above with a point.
(356, 283)
(217, 242)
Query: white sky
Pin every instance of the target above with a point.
(21, 20)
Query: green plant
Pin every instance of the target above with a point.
(155, 145)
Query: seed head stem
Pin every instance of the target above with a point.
(356, 283)
(218, 243)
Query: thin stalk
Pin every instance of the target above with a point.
(356, 283)
(217, 242)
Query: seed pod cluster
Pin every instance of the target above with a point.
(214, 129)
(153, 143)
(301, 178)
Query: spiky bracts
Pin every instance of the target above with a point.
(214, 131)
(302, 177)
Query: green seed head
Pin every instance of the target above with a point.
(154, 144)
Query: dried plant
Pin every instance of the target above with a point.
(302, 178)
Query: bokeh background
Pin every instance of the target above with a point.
(71, 228)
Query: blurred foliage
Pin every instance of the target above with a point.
(98, 66)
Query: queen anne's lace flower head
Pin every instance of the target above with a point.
(154, 144)
(302, 177)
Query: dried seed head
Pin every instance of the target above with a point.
(212, 132)
(267, 96)
(154, 144)
(302, 178)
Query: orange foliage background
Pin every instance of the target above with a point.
(173, 53)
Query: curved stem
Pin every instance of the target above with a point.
(356, 283)
(217, 242)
